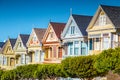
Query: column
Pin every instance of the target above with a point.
(110, 40)
(101, 43)
(73, 48)
(8, 61)
(92, 44)
(88, 47)
(80, 48)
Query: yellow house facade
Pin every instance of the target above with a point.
(8, 54)
(1, 55)
(104, 29)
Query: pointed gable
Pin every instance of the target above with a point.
(53, 32)
(76, 26)
(36, 37)
(108, 16)
(113, 12)
(8, 46)
(82, 21)
(58, 28)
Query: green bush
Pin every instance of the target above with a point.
(85, 67)
(80, 67)
(1, 72)
(26, 71)
(107, 60)
(9, 75)
(48, 71)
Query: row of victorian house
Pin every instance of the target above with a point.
(81, 35)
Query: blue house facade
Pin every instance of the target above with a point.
(74, 36)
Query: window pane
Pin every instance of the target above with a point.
(71, 51)
(70, 48)
(23, 59)
(105, 43)
(72, 29)
(90, 44)
(37, 56)
(83, 51)
(27, 59)
(76, 42)
(76, 51)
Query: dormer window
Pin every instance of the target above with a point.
(72, 29)
(102, 19)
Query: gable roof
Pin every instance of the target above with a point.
(39, 33)
(2, 44)
(113, 12)
(58, 28)
(82, 21)
(24, 38)
(12, 42)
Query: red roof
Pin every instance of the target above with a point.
(58, 28)
(39, 32)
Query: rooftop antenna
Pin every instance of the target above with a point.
(70, 11)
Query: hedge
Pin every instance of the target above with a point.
(85, 67)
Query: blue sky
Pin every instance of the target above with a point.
(20, 16)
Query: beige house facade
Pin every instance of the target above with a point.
(104, 29)
(34, 45)
(20, 50)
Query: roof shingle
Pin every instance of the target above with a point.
(58, 28)
(113, 12)
(82, 21)
(12, 41)
(24, 38)
(39, 32)
(2, 44)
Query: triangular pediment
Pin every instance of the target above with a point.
(33, 40)
(50, 35)
(7, 48)
(100, 21)
(68, 32)
(19, 44)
